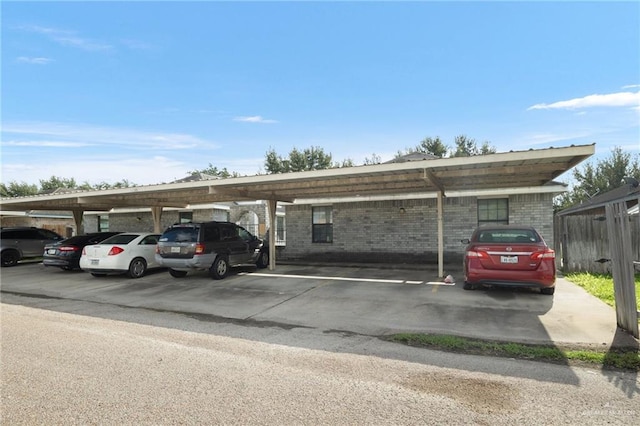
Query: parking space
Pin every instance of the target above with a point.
(370, 301)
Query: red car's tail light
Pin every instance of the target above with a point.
(115, 250)
(547, 254)
(199, 248)
(479, 254)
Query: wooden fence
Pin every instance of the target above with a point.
(582, 243)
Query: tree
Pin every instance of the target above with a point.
(345, 163)
(374, 159)
(464, 147)
(15, 189)
(313, 158)
(433, 146)
(467, 147)
(605, 175)
(55, 182)
(104, 185)
(214, 171)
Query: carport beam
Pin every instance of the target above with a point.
(272, 204)
(440, 235)
(77, 217)
(156, 212)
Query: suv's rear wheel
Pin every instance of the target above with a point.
(10, 258)
(177, 274)
(220, 268)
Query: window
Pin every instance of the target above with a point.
(280, 234)
(322, 224)
(103, 223)
(185, 217)
(494, 210)
(245, 235)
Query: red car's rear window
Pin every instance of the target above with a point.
(509, 236)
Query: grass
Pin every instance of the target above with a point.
(599, 285)
(621, 359)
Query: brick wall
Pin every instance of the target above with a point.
(143, 221)
(404, 231)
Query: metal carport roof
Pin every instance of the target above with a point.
(515, 169)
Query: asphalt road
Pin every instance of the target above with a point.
(80, 350)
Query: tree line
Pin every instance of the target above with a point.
(589, 180)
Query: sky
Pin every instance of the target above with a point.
(150, 91)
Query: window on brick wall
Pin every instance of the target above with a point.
(322, 224)
(185, 217)
(103, 223)
(280, 230)
(493, 211)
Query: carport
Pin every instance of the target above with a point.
(526, 170)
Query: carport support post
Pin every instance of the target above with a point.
(77, 217)
(440, 236)
(156, 213)
(271, 205)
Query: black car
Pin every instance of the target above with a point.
(210, 246)
(24, 242)
(66, 254)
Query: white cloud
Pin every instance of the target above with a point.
(36, 61)
(88, 135)
(68, 38)
(621, 99)
(141, 171)
(254, 119)
(45, 143)
(527, 141)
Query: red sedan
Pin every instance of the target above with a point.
(509, 255)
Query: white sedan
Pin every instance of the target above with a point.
(132, 253)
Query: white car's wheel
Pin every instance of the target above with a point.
(137, 267)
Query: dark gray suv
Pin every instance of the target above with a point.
(211, 246)
(24, 242)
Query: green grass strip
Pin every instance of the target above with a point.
(619, 359)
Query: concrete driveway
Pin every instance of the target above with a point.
(358, 300)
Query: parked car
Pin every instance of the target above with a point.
(509, 255)
(211, 246)
(132, 253)
(23, 242)
(66, 254)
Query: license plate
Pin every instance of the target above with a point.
(51, 251)
(175, 249)
(95, 261)
(509, 259)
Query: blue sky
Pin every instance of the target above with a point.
(148, 91)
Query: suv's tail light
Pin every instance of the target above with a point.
(547, 254)
(199, 248)
(478, 254)
(115, 250)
